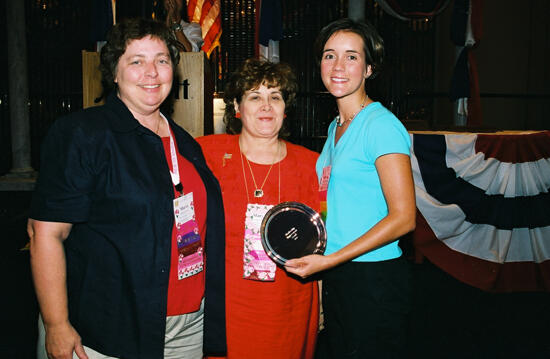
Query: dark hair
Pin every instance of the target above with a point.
(250, 75)
(121, 35)
(373, 44)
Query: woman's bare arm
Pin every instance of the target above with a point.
(49, 275)
(397, 183)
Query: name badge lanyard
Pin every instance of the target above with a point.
(190, 251)
(174, 171)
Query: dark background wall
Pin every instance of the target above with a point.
(513, 60)
(449, 319)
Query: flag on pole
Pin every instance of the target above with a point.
(269, 29)
(466, 32)
(207, 14)
(103, 17)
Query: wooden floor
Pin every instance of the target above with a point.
(449, 319)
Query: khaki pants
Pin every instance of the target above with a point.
(183, 338)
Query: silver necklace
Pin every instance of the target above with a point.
(340, 123)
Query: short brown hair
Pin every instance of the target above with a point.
(121, 35)
(373, 44)
(250, 75)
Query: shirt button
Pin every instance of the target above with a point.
(163, 270)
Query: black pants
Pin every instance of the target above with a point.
(366, 307)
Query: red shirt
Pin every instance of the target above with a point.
(185, 295)
(264, 319)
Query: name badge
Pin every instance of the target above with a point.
(190, 251)
(257, 264)
(323, 189)
(325, 176)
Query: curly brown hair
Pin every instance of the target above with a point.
(121, 35)
(249, 76)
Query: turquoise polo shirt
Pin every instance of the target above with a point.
(355, 201)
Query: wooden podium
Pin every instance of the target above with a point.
(193, 103)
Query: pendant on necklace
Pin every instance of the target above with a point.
(258, 193)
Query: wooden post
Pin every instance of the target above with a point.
(193, 105)
(91, 79)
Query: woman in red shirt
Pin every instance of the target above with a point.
(270, 313)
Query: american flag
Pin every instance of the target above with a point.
(207, 13)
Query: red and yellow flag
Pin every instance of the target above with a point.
(207, 13)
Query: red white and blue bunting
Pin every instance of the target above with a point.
(484, 207)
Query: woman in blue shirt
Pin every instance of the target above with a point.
(366, 180)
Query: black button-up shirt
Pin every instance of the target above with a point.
(107, 174)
